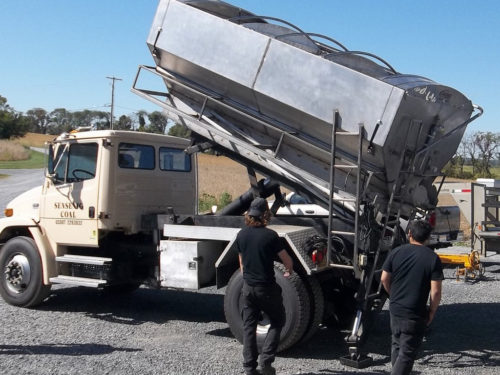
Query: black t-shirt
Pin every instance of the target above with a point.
(258, 247)
(412, 267)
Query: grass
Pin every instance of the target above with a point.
(10, 151)
(35, 160)
(15, 154)
(218, 175)
(495, 171)
(34, 140)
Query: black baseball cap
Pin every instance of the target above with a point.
(258, 207)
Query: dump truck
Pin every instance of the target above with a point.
(302, 113)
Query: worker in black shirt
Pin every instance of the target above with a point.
(410, 273)
(258, 248)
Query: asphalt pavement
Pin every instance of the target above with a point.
(17, 182)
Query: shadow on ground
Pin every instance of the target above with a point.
(62, 349)
(138, 307)
(462, 335)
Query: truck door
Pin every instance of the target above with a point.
(70, 194)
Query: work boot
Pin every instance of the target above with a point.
(253, 372)
(268, 370)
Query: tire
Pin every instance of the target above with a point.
(317, 307)
(21, 273)
(295, 300)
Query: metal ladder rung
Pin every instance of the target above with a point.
(490, 222)
(347, 134)
(346, 166)
(491, 205)
(343, 266)
(262, 146)
(343, 233)
(344, 199)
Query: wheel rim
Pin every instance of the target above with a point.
(264, 322)
(17, 273)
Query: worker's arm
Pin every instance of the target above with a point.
(241, 262)
(386, 281)
(435, 299)
(287, 262)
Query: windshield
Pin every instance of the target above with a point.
(73, 162)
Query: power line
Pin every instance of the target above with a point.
(112, 97)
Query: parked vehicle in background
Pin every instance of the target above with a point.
(445, 220)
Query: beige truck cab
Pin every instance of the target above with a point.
(87, 214)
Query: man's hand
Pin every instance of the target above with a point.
(386, 281)
(287, 262)
(435, 298)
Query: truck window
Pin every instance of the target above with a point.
(60, 161)
(76, 162)
(174, 159)
(134, 156)
(82, 161)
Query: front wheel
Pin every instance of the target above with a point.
(21, 273)
(295, 300)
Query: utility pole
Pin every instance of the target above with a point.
(112, 98)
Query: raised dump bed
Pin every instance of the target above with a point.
(289, 84)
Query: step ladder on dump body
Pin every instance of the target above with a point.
(485, 217)
(82, 270)
(371, 297)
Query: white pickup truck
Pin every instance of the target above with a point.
(445, 220)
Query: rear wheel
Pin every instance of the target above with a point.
(295, 300)
(317, 306)
(21, 273)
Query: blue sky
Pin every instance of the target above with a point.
(57, 53)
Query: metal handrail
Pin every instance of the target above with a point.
(364, 54)
(428, 147)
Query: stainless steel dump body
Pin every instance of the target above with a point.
(294, 82)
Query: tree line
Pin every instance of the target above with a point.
(37, 120)
(479, 150)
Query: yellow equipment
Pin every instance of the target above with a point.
(472, 267)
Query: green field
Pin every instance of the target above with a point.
(495, 171)
(36, 160)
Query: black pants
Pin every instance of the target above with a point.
(269, 300)
(407, 336)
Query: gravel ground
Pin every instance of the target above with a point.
(83, 331)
